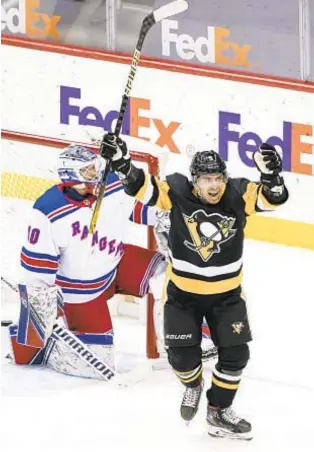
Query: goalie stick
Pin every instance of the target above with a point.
(14, 289)
(171, 9)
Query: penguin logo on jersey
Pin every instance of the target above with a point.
(208, 232)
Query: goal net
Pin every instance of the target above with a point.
(29, 166)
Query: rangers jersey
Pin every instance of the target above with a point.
(59, 250)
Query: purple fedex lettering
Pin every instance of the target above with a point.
(248, 142)
(89, 115)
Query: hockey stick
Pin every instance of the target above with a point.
(14, 289)
(175, 7)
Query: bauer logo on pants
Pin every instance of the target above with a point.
(178, 336)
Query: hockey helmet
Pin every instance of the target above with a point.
(207, 162)
(73, 164)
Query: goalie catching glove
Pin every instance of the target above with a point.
(115, 150)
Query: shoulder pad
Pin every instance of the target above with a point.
(178, 183)
(239, 184)
(51, 200)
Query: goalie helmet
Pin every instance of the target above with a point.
(207, 162)
(74, 166)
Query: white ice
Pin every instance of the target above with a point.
(45, 411)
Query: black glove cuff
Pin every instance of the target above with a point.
(274, 189)
(121, 166)
(276, 197)
(134, 180)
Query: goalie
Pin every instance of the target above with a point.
(63, 265)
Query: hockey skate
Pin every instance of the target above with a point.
(224, 423)
(190, 401)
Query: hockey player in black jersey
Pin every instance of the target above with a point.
(208, 215)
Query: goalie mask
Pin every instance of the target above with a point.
(81, 168)
(209, 176)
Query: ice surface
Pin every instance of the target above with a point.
(43, 410)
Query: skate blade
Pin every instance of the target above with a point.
(188, 421)
(209, 358)
(216, 432)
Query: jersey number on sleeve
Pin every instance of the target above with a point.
(33, 235)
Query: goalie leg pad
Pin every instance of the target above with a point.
(37, 314)
(81, 355)
(24, 354)
(60, 304)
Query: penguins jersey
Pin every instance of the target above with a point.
(205, 240)
(59, 250)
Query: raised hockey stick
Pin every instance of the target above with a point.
(175, 7)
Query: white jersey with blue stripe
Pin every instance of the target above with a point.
(59, 250)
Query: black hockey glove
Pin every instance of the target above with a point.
(115, 150)
(269, 163)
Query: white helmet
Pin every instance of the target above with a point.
(72, 162)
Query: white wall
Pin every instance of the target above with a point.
(31, 103)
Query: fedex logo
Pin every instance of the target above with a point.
(134, 119)
(291, 141)
(213, 48)
(26, 20)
